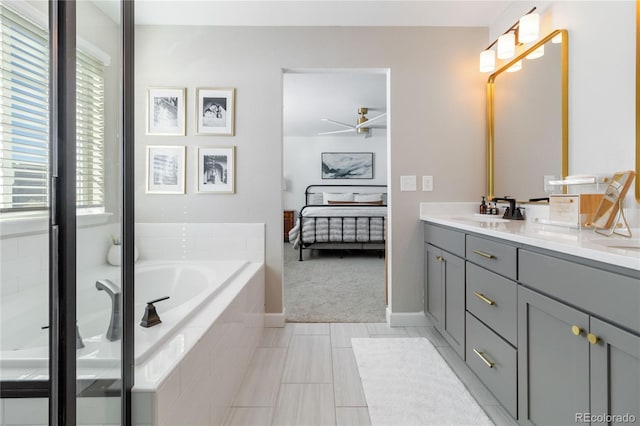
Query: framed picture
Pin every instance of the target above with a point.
(216, 170)
(166, 111)
(165, 169)
(347, 165)
(215, 111)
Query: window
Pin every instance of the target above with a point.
(24, 119)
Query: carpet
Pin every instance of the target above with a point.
(327, 288)
(407, 382)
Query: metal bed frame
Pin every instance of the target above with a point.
(340, 244)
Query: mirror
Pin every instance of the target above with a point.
(637, 99)
(607, 217)
(527, 122)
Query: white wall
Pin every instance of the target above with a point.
(301, 163)
(436, 124)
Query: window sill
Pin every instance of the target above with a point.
(18, 225)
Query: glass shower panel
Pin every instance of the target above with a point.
(24, 212)
(99, 301)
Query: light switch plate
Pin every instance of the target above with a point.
(408, 183)
(427, 183)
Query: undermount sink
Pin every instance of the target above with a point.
(483, 218)
(619, 243)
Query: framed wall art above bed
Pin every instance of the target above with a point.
(347, 165)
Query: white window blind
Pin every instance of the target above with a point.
(24, 119)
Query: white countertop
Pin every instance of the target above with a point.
(585, 243)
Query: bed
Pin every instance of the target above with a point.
(352, 217)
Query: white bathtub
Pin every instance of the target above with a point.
(189, 285)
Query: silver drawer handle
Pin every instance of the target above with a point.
(485, 360)
(484, 298)
(483, 254)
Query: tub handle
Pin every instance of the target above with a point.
(151, 317)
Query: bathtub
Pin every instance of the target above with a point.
(189, 285)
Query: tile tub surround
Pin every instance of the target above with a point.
(577, 242)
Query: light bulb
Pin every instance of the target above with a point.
(529, 28)
(506, 45)
(515, 67)
(487, 60)
(536, 53)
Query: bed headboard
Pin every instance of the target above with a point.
(312, 190)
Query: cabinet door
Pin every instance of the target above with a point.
(553, 363)
(433, 284)
(454, 302)
(615, 374)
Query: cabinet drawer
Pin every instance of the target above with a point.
(494, 300)
(606, 294)
(446, 239)
(497, 257)
(500, 377)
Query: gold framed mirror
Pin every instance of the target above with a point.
(512, 168)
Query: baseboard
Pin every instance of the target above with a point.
(275, 320)
(406, 319)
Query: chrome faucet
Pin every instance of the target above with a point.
(114, 332)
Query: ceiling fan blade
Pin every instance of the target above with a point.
(338, 131)
(369, 121)
(338, 123)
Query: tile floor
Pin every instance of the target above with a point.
(306, 374)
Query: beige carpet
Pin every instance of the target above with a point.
(326, 288)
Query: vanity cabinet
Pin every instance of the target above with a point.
(568, 350)
(554, 337)
(444, 285)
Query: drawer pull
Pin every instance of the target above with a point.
(576, 330)
(482, 357)
(440, 258)
(484, 298)
(593, 339)
(483, 254)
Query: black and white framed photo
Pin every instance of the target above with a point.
(166, 111)
(347, 165)
(215, 111)
(165, 169)
(216, 170)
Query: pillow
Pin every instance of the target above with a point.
(360, 203)
(367, 197)
(315, 198)
(328, 196)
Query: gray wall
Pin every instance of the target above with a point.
(436, 124)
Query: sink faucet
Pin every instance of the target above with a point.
(114, 332)
(512, 212)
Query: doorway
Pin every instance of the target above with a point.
(335, 144)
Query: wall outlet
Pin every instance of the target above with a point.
(427, 183)
(408, 183)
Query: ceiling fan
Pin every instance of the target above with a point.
(362, 127)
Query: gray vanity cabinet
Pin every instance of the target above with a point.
(444, 284)
(553, 364)
(615, 372)
(572, 364)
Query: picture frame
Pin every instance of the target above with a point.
(216, 170)
(347, 165)
(215, 111)
(166, 172)
(166, 112)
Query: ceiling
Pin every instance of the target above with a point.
(443, 13)
(309, 96)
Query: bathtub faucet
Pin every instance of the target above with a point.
(114, 332)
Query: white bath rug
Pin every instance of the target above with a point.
(406, 382)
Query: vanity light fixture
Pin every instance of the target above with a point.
(536, 53)
(515, 67)
(507, 42)
(557, 39)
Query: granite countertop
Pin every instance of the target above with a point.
(616, 250)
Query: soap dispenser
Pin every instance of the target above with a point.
(483, 206)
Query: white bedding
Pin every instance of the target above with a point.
(338, 224)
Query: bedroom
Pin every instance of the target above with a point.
(342, 277)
